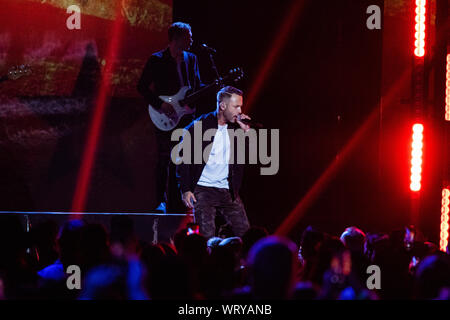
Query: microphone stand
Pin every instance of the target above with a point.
(214, 67)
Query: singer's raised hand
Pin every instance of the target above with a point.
(244, 126)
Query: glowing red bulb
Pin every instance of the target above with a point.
(447, 91)
(444, 219)
(416, 157)
(419, 35)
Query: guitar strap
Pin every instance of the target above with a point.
(186, 61)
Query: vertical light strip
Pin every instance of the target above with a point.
(444, 219)
(419, 35)
(416, 157)
(447, 90)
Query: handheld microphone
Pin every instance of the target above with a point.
(211, 50)
(249, 122)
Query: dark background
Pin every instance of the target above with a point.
(330, 67)
(323, 85)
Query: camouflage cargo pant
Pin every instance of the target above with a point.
(212, 201)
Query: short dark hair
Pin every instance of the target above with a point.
(226, 92)
(176, 29)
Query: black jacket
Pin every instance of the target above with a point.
(160, 76)
(189, 174)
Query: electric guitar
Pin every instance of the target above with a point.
(181, 100)
(16, 72)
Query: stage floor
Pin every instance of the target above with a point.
(149, 227)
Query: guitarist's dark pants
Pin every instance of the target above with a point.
(167, 186)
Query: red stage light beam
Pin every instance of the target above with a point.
(277, 44)
(95, 128)
(305, 203)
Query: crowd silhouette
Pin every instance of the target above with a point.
(116, 265)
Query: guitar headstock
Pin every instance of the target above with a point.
(18, 72)
(235, 74)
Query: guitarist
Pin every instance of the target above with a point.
(165, 73)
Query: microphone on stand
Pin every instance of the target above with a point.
(207, 48)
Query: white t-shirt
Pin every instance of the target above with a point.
(215, 172)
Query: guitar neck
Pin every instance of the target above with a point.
(198, 94)
(235, 73)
